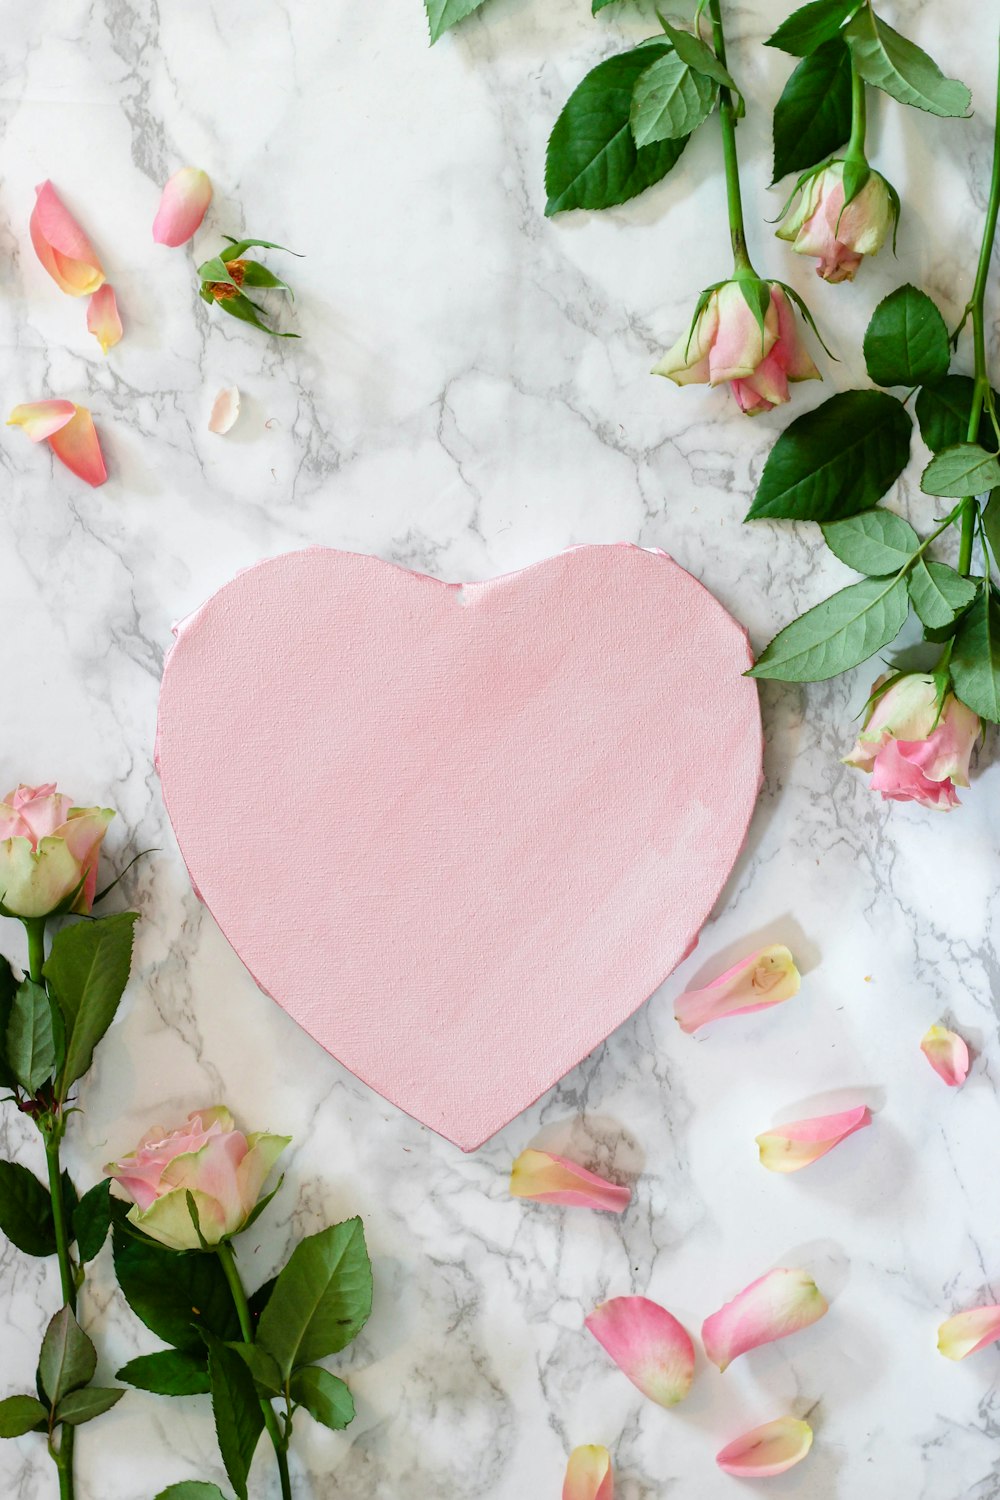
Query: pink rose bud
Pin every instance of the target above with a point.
(726, 342)
(916, 744)
(48, 852)
(182, 207)
(839, 237)
(207, 1158)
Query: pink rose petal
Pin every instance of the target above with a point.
(765, 978)
(648, 1345)
(968, 1332)
(780, 1303)
(40, 419)
(768, 1450)
(588, 1474)
(61, 245)
(947, 1054)
(103, 320)
(787, 1148)
(553, 1179)
(183, 205)
(225, 410)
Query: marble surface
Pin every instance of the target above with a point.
(470, 394)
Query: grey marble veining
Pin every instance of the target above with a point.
(471, 393)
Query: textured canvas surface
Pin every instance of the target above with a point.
(460, 832)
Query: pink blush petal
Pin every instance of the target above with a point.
(554, 1179)
(40, 419)
(901, 779)
(768, 1450)
(61, 245)
(589, 1475)
(183, 205)
(103, 320)
(968, 1332)
(648, 1345)
(788, 1148)
(765, 978)
(225, 410)
(948, 1055)
(77, 446)
(749, 400)
(776, 1305)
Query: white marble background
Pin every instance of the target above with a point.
(470, 393)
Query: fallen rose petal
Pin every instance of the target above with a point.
(40, 419)
(767, 1450)
(553, 1179)
(787, 1148)
(765, 978)
(183, 205)
(588, 1474)
(947, 1054)
(61, 245)
(225, 410)
(968, 1332)
(102, 317)
(648, 1345)
(780, 1303)
(76, 446)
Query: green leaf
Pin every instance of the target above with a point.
(813, 116)
(68, 1358)
(939, 594)
(600, 5)
(592, 160)
(247, 312)
(670, 100)
(83, 1406)
(92, 1219)
(26, 1210)
(875, 542)
(239, 1420)
(30, 1043)
(8, 989)
(836, 460)
(901, 69)
(191, 1489)
(21, 1414)
(906, 342)
(175, 1292)
(699, 56)
(88, 969)
(260, 1298)
(236, 248)
(944, 409)
(838, 634)
(254, 274)
(443, 14)
(261, 1366)
(325, 1397)
(991, 524)
(975, 659)
(965, 469)
(321, 1300)
(169, 1372)
(810, 27)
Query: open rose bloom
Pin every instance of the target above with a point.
(221, 1169)
(916, 746)
(839, 237)
(48, 852)
(726, 343)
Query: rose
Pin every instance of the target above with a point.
(726, 342)
(48, 852)
(916, 740)
(205, 1162)
(839, 237)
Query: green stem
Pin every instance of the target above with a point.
(279, 1440)
(727, 115)
(977, 307)
(859, 118)
(35, 928)
(63, 1459)
(66, 1276)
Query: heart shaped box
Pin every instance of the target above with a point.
(460, 832)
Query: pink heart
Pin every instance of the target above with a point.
(460, 831)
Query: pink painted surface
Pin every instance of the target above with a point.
(460, 832)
